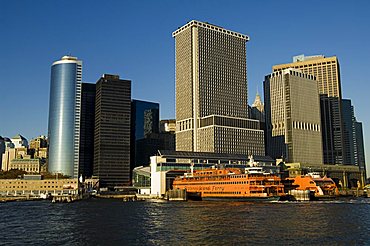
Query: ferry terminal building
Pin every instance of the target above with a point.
(167, 165)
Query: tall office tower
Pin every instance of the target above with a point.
(349, 139)
(87, 123)
(359, 148)
(144, 122)
(353, 136)
(211, 92)
(292, 108)
(326, 71)
(112, 131)
(64, 116)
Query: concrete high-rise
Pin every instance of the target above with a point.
(292, 110)
(64, 116)
(211, 92)
(326, 71)
(112, 131)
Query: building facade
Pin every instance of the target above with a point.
(167, 165)
(29, 165)
(293, 125)
(326, 71)
(64, 116)
(38, 142)
(112, 131)
(257, 110)
(211, 92)
(144, 128)
(353, 136)
(359, 148)
(87, 124)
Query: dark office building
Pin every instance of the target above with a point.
(353, 137)
(349, 132)
(112, 131)
(359, 148)
(333, 144)
(144, 135)
(87, 123)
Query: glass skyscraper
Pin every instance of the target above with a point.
(64, 116)
(145, 140)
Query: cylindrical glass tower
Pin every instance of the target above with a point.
(64, 116)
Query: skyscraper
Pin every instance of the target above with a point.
(326, 71)
(359, 148)
(349, 139)
(112, 131)
(353, 136)
(64, 116)
(293, 117)
(211, 92)
(87, 129)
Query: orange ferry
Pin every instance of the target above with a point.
(231, 183)
(322, 187)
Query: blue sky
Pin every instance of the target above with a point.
(133, 39)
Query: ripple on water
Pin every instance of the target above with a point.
(112, 222)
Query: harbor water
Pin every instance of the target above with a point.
(114, 222)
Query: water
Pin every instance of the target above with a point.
(113, 222)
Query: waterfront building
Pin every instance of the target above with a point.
(326, 71)
(112, 131)
(293, 126)
(167, 165)
(19, 141)
(87, 124)
(64, 116)
(141, 179)
(144, 131)
(211, 92)
(32, 187)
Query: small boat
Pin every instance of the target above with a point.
(249, 184)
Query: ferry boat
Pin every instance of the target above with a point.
(249, 184)
(321, 187)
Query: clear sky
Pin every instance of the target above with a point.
(134, 39)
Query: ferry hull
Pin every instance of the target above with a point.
(243, 199)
